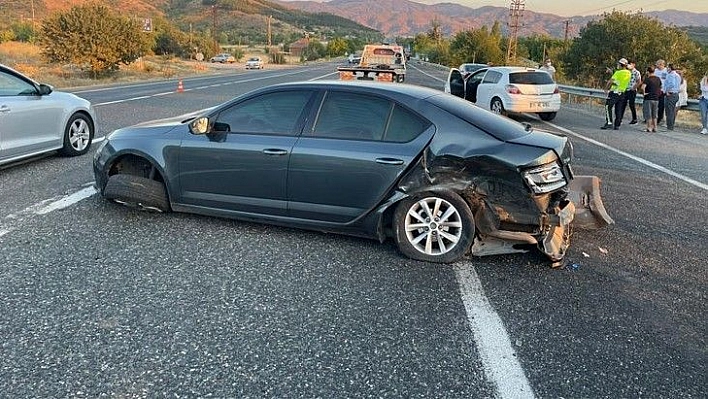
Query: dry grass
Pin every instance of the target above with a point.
(27, 58)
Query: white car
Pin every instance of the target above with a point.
(35, 119)
(254, 63)
(507, 89)
(223, 58)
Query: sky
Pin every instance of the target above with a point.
(569, 8)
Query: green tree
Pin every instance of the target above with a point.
(632, 36)
(315, 50)
(93, 37)
(24, 32)
(478, 45)
(337, 47)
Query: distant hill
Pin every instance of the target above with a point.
(408, 18)
(238, 19)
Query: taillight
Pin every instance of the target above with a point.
(511, 89)
(556, 91)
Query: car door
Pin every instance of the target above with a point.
(242, 164)
(489, 88)
(29, 123)
(352, 155)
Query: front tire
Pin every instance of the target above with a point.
(78, 135)
(434, 227)
(137, 192)
(547, 116)
(497, 107)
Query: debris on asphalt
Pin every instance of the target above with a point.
(603, 250)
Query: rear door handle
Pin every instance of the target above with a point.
(389, 161)
(274, 151)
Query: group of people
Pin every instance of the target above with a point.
(664, 90)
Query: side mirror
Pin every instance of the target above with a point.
(199, 125)
(45, 89)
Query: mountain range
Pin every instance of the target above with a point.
(362, 18)
(408, 18)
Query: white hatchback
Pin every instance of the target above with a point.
(508, 89)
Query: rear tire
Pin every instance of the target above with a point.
(78, 135)
(497, 107)
(137, 192)
(434, 227)
(547, 116)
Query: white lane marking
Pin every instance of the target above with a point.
(44, 207)
(632, 157)
(195, 88)
(68, 200)
(498, 357)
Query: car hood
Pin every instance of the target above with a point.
(157, 126)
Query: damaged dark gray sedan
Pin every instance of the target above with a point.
(438, 175)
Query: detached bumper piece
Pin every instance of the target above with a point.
(590, 212)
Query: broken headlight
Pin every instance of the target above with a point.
(546, 178)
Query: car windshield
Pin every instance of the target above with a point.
(530, 78)
(254, 59)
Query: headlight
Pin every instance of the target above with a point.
(545, 179)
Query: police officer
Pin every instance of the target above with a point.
(616, 100)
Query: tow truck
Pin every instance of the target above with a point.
(380, 62)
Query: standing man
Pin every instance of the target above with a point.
(661, 72)
(650, 106)
(634, 82)
(549, 68)
(615, 88)
(671, 93)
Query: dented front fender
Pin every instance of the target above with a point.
(590, 213)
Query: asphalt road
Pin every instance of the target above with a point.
(97, 300)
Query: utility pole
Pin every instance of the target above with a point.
(213, 10)
(516, 11)
(269, 33)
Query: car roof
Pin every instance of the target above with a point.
(510, 69)
(380, 87)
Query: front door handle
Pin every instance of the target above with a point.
(389, 161)
(4, 108)
(274, 151)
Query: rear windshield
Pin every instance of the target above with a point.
(530, 78)
(501, 127)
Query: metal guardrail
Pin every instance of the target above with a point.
(600, 94)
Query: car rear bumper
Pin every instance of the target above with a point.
(523, 103)
(583, 208)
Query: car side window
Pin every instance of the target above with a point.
(492, 77)
(404, 125)
(352, 116)
(13, 86)
(271, 113)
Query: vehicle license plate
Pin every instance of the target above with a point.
(542, 104)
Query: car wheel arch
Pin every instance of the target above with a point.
(140, 166)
